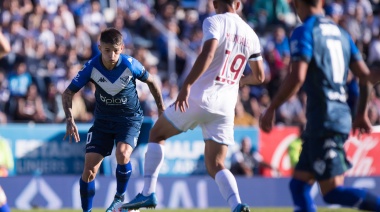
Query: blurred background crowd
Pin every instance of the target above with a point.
(52, 39)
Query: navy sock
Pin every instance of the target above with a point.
(5, 208)
(87, 193)
(353, 197)
(302, 199)
(123, 173)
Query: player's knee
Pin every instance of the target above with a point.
(89, 175)
(122, 157)
(213, 168)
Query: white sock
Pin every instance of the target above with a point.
(154, 157)
(228, 187)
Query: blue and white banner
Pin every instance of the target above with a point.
(40, 149)
(55, 192)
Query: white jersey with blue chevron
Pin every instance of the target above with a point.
(115, 94)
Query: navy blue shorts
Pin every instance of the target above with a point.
(103, 134)
(324, 156)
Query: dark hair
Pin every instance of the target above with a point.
(311, 2)
(111, 36)
(229, 2)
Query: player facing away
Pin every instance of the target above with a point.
(207, 98)
(322, 54)
(118, 115)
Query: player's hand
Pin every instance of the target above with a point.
(71, 131)
(267, 120)
(182, 101)
(361, 125)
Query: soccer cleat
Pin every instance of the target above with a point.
(140, 201)
(118, 200)
(242, 208)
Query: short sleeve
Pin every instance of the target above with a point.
(82, 78)
(301, 44)
(354, 51)
(256, 44)
(210, 29)
(139, 71)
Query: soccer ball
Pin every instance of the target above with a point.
(118, 208)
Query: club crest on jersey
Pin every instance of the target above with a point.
(319, 166)
(124, 79)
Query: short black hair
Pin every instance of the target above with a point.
(229, 2)
(111, 36)
(311, 2)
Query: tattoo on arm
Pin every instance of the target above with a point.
(67, 103)
(156, 92)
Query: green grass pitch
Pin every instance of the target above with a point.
(196, 210)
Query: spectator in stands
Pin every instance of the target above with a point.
(19, 80)
(94, 20)
(53, 104)
(269, 13)
(30, 107)
(374, 51)
(281, 43)
(291, 113)
(4, 97)
(248, 161)
(242, 117)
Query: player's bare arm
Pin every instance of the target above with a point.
(201, 64)
(361, 121)
(291, 84)
(67, 103)
(257, 77)
(156, 92)
(5, 46)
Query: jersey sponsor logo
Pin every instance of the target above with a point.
(102, 79)
(113, 101)
(333, 95)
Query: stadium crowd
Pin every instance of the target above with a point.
(51, 39)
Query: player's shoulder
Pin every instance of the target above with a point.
(93, 61)
(131, 62)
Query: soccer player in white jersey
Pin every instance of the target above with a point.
(208, 99)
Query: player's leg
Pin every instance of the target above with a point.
(86, 182)
(332, 180)
(215, 155)
(300, 187)
(218, 134)
(98, 146)
(3, 202)
(303, 179)
(126, 134)
(335, 193)
(169, 124)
